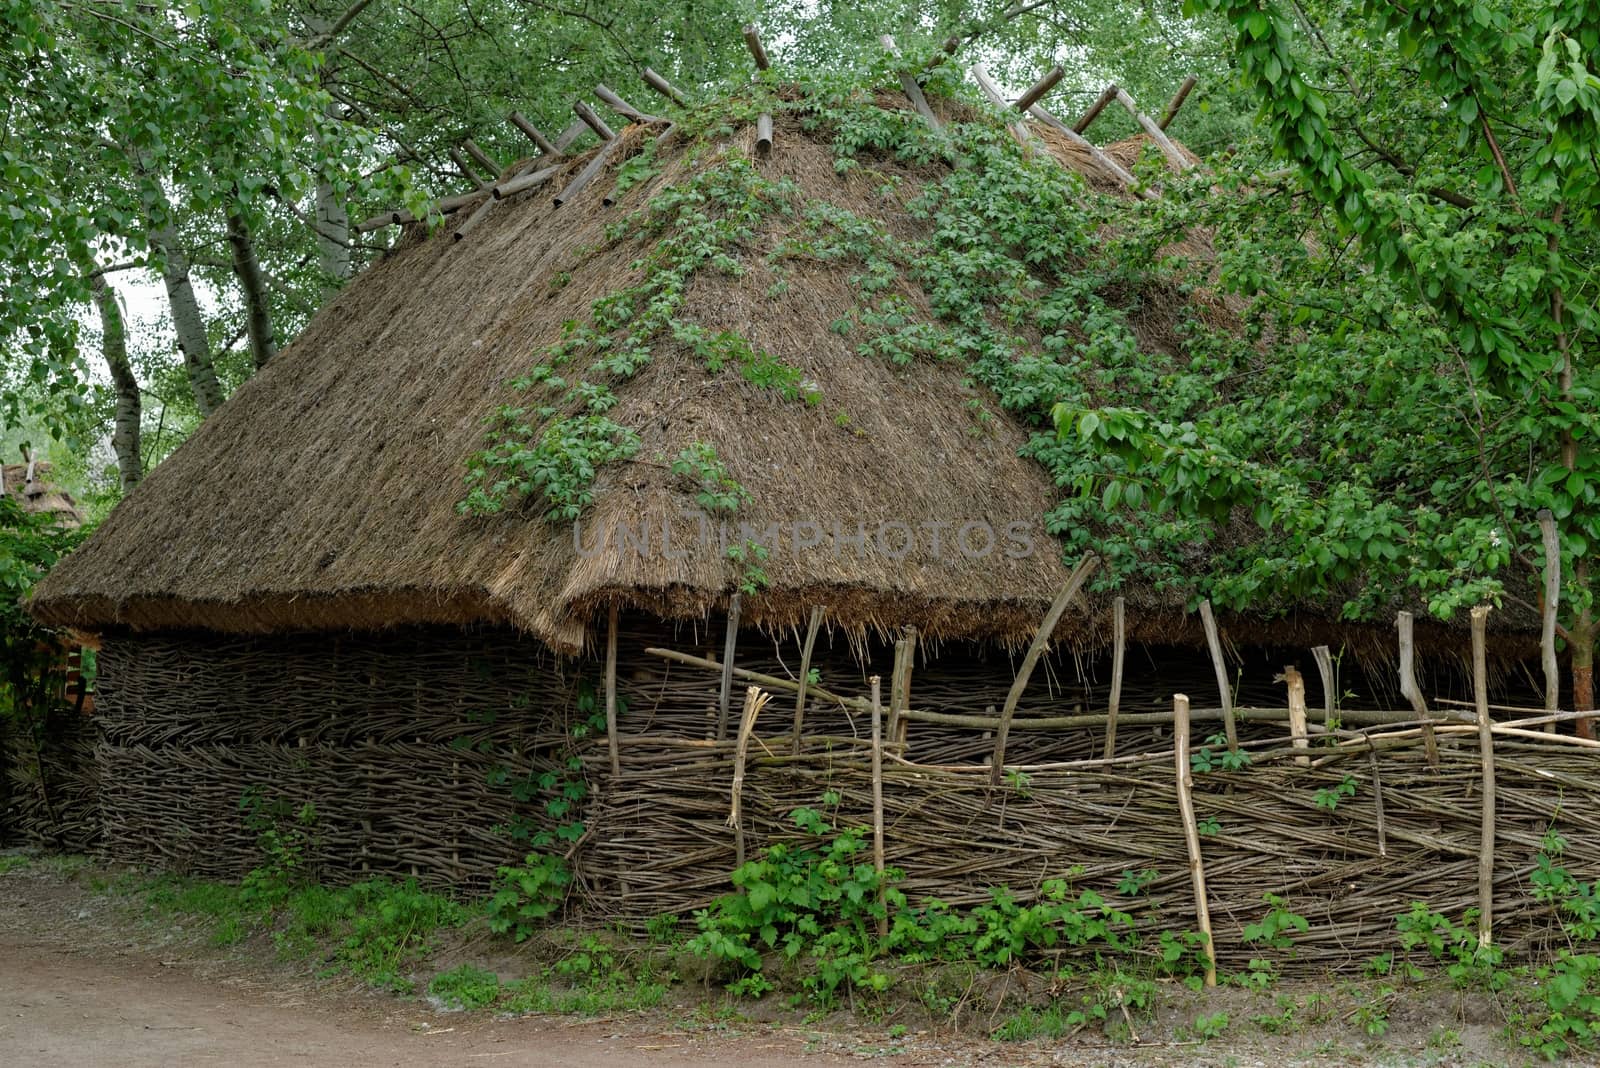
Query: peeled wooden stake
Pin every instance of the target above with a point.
(1191, 830)
(1486, 844)
(1177, 101)
(484, 159)
(1099, 105)
(621, 106)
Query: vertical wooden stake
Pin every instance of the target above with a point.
(754, 701)
(1324, 659)
(805, 671)
(1377, 800)
(728, 645)
(877, 800)
(897, 688)
(1119, 636)
(611, 691)
(1191, 831)
(1480, 692)
(905, 686)
(1041, 639)
(1552, 599)
(1409, 688)
(1214, 643)
(1297, 711)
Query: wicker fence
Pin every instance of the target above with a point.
(393, 739)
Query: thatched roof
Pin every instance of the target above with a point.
(30, 486)
(324, 493)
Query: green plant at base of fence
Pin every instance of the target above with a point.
(1456, 946)
(1206, 758)
(1134, 883)
(1329, 797)
(1207, 1027)
(1275, 928)
(284, 835)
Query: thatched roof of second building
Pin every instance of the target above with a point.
(325, 493)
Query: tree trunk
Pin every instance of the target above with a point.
(186, 319)
(258, 319)
(333, 239)
(114, 345)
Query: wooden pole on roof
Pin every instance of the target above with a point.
(524, 181)
(621, 106)
(480, 213)
(593, 121)
(611, 690)
(947, 48)
(1106, 163)
(664, 87)
(1486, 843)
(1087, 118)
(574, 130)
(1324, 658)
(763, 133)
(817, 613)
(1177, 100)
(1547, 612)
(992, 91)
(588, 173)
(909, 86)
(1409, 688)
(1119, 636)
(533, 133)
(1041, 640)
(1036, 91)
(1191, 830)
(1155, 133)
(1214, 644)
(485, 160)
(752, 41)
(729, 643)
(465, 168)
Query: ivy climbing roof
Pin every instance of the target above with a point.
(703, 335)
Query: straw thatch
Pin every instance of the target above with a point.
(30, 486)
(323, 495)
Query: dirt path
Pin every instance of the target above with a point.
(61, 1008)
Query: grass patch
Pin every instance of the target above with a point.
(13, 862)
(466, 987)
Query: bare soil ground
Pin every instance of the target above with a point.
(84, 980)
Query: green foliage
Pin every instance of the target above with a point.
(1275, 929)
(284, 835)
(32, 658)
(1207, 1027)
(526, 896)
(1468, 963)
(715, 489)
(1329, 797)
(1206, 759)
(750, 555)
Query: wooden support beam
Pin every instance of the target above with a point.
(1191, 829)
(473, 221)
(763, 134)
(466, 168)
(1486, 843)
(947, 48)
(1408, 684)
(1547, 612)
(899, 737)
(1176, 103)
(664, 87)
(899, 680)
(909, 86)
(1297, 711)
(621, 106)
(533, 133)
(521, 182)
(1377, 801)
(588, 173)
(1119, 637)
(398, 216)
(817, 614)
(1036, 91)
(593, 121)
(1155, 133)
(730, 642)
(754, 702)
(1041, 641)
(1218, 665)
(992, 91)
(611, 687)
(575, 129)
(1105, 162)
(752, 41)
(1087, 118)
(486, 161)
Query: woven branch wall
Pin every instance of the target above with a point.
(392, 737)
